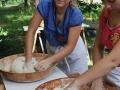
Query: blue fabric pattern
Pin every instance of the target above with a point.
(57, 36)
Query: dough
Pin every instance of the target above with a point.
(58, 89)
(61, 88)
(17, 65)
(30, 67)
(6, 65)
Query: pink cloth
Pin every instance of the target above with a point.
(110, 36)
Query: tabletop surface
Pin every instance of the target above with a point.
(10, 85)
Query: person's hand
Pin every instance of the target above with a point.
(43, 65)
(72, 86)
(97, 85)
(28, 66)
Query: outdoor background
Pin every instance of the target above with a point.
(14, 14)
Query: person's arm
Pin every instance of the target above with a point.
(74, 33)
(36, 3)
(100, 69)
(98, 52)
(98, 48)
(37, 18)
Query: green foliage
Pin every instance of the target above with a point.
(12, 20)
(90, 10)
(9, 3)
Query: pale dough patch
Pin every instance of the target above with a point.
(61, 88)
(17, 65)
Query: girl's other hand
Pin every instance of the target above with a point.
(42, 65)
(97, 85)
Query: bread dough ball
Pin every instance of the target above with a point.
(17, 65)
(30, 66)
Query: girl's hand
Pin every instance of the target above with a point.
(72, 86)
(42, 65)
(97, 85)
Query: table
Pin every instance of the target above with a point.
(10, 85)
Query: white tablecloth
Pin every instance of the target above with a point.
(10, 85)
